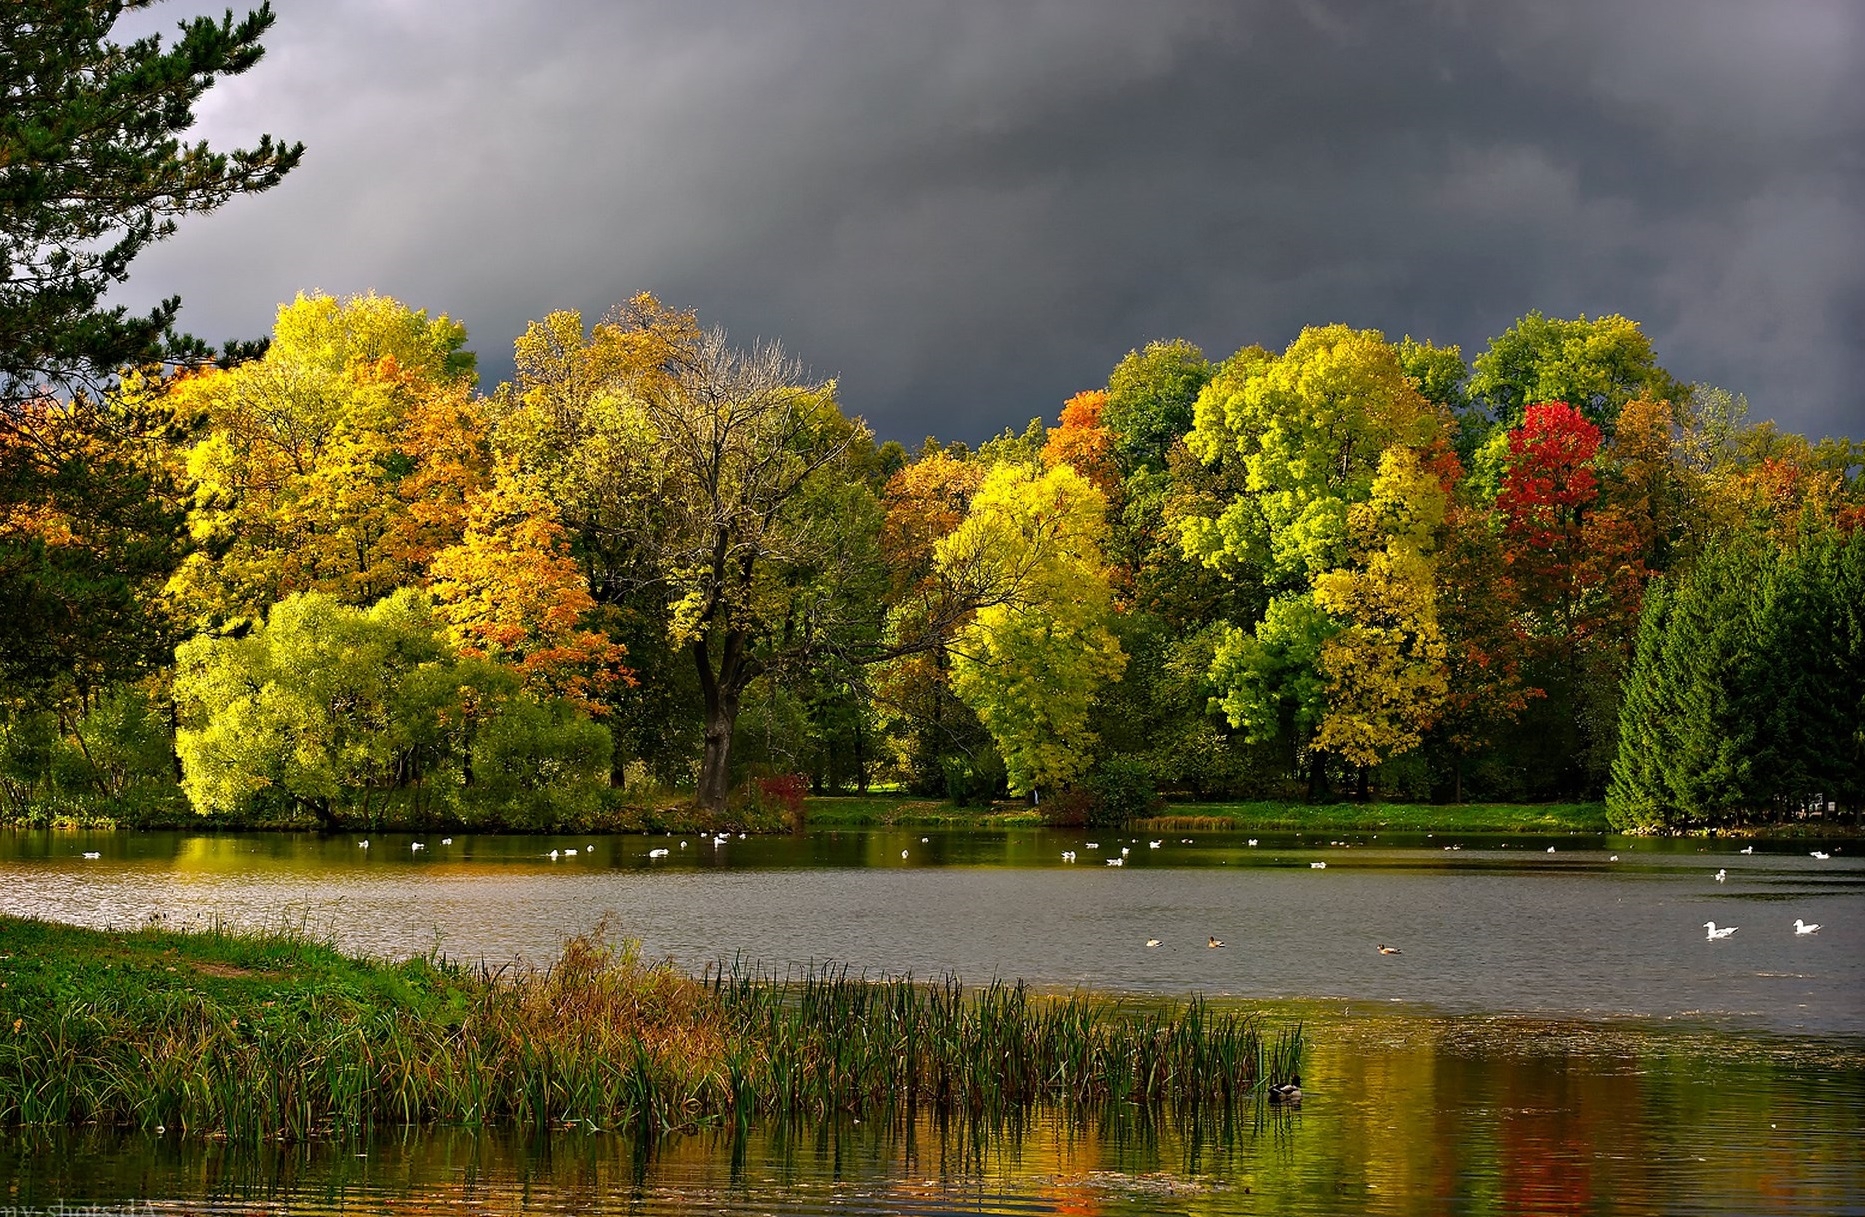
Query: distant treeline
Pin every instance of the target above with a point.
(336, 582)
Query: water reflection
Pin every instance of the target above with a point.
(1405, 1114)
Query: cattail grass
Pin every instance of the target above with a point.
(279, 1037)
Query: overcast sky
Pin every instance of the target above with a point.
(969, 211)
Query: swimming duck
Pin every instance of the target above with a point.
(1386, 950)
(1215, 941)
(1801, 927)
(1715, 933)
(1289, 1092)
(1153, 942)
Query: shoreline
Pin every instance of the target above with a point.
(837, 812)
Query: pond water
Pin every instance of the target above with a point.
(1558, 1035)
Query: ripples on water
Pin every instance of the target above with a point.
(1698, 1077)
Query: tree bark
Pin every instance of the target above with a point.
(722, 690)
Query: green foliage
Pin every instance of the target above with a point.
(1149, 401)
(326, 704)
(96, 171)
(535, 766)
(1746, 695)
(1593, 365)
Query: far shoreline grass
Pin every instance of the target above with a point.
(1265, 815)
(276, 1036)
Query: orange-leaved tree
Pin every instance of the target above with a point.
(510, 591)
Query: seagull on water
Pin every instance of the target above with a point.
(417, 845)
(1550, 849)
(1615, 857)
(652, 853)
(1153, 942)
(1068, 855)
(1215, 941)
(1715, 933)
(446, 840)
(1721, 875)
(1821, 855)
(1386, 950)
(99, 855)
(1748, 849)
(1801, 927)
(1154, 844)
(364, 844)
(1317, 866)
(1252, 841)
(1116, 861)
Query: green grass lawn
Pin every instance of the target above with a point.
(883, 810)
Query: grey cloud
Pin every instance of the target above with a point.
(969, 210)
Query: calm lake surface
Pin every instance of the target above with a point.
(1557, 1036)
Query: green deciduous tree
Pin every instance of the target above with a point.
(1595, 365)
(1149, 401)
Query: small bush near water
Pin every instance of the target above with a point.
(277, 1036)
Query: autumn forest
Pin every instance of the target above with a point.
(337, 582)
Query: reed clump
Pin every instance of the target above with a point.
(279, 1037)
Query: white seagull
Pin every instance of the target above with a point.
(1721, 875)
(417, 845)
(1154, 844)
(652, 853)
(1801, 927)
(446, 840)
(1748, 849)
(1822, 856)
(1116, 861)
(94, 857)
(1153, 942)
(1317, 866)
(1715, 933)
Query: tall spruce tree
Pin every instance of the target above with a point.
(1636, 798)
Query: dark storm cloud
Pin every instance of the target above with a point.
(970, 211)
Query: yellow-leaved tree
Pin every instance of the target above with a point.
(339, 463)
(1037, 650)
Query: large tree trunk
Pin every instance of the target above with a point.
(722, 690)
(715, 771)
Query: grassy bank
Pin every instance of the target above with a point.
(1386, 817)
(882, 810)
(276, 1036)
